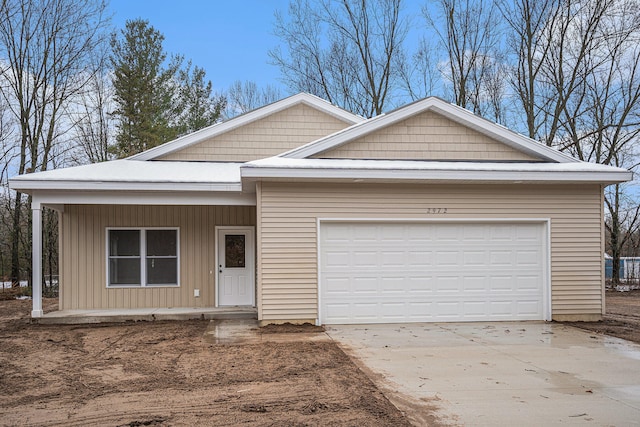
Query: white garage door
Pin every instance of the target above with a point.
(431, 272)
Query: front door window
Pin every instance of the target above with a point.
(234, 252)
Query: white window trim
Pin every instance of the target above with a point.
(143, 258)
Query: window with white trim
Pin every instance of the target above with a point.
(142, 257)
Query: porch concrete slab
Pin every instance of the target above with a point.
(146, 314)
(247, 331)
(515, 373)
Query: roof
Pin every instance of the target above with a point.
(244, 119)
(136, 175)
(453, 112)
(432, 171)
(141, 173)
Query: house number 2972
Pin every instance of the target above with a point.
(436, 210)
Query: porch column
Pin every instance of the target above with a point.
(36, 255)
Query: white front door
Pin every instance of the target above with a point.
(236, 263)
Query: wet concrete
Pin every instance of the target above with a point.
(247, 331)
(529, 373)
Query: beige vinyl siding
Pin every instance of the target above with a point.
(428, 136)
(288, 237)
(272, 135)
(83, 255)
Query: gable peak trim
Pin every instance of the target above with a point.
(244, 119)
(453, 112)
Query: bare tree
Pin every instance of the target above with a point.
(347, 52)
(245, 96)
(601, 122)
(530, 23)
(469, 34)
(419, 74)
(577, 78)
(557, 44)
(94, 125)
(45, 47)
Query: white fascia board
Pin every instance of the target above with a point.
(253, 173)
(188, 198)
(244, 119)
(453, 112)
(26, 185)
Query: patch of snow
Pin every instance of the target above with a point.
(286, 163)
(142, 171)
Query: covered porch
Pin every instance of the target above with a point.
(193, 204)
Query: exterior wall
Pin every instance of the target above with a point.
(280, 132)
(83, 254)
(428, 136)
(288, 216)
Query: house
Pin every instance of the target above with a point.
(309, 213)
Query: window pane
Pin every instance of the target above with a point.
(124, 271)
(162, 271)
(234, 251)
(124, 243)
(161, 242)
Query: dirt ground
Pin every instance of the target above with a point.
(622, 319)
(166, 373)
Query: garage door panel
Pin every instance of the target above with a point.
(473, 284)
(419, 258)
(500, 258)
(336, 259)
(366, 233)
(409, 272)
(363, 259)
(527, 283)
(447, 285)
(393, 258)
(475, 258)
(419, 233)
(526, 258)
(447, 258)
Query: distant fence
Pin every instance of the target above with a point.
(629, 269)
(50, 287)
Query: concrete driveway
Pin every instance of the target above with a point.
(512, 373)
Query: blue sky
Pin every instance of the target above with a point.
(229, 39)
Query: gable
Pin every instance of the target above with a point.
(266, 137)
(426, 136)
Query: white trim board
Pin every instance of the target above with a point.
(322, 169)
(545, 222)
(61, 198)
(143, 258)
(251, 229)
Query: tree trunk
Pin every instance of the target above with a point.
(15, 241)
(615, 239)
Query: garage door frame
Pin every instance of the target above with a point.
(546, 261)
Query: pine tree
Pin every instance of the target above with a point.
(144, 88)
(197, 105)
